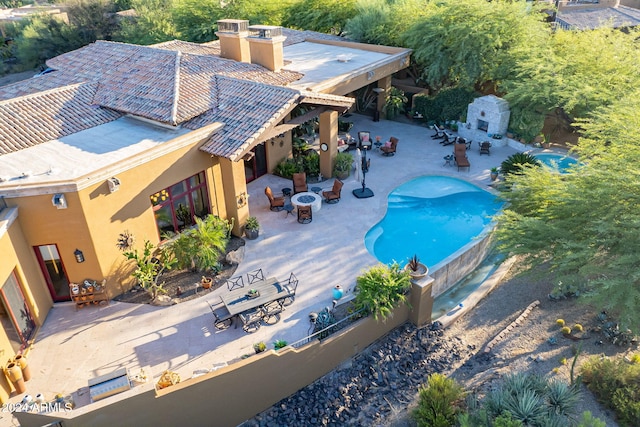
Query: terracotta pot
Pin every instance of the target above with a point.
(14, 373)
(206, 283)
(21, 360)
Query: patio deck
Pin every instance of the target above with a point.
(75, 346)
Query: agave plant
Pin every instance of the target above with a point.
(515, 163)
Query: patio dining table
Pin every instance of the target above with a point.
(238, 301)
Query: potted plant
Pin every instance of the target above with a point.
(206, 282)
(279, 344)
(252, 228)
(416, 269)
(343, 165)
(494, 173)
(259, 347)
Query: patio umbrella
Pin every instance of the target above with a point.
(358, 165)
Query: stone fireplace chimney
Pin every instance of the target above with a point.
(233, 39)
(266, 46)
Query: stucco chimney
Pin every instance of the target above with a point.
(233, 39)
(266, 46)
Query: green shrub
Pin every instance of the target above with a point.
(394, 103)
(286, 168)
(279, 344)
(440, 402)
(532, 400)
(516, 162)
(381, 288)
(452, 103)
(200, 247)
(616, 384)
(343, 164)
(311, 164)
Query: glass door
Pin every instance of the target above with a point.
(256, 166)
(15, 316)
(53, 271)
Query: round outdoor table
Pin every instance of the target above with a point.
(316, 190)
(307, 198)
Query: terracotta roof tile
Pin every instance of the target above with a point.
(33, 119)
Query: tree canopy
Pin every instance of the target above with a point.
(586, 223)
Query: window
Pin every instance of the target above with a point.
(15, 316)
(176, 207)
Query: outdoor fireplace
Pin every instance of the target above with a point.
(489, 114)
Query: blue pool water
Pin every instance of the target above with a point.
(556, 161)
(431, 216)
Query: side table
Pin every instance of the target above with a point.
(289, 208)
(286, 192)
(316, 190)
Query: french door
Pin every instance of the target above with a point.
(15, 316)
(256, 166)
(53, 271)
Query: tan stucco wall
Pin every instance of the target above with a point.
(95, 217)
(234, 393)
(280, 150)
(18, 256)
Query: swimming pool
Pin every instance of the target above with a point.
(431, 216)
(556, 161)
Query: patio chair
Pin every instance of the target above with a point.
(222, 318)
(439, 133)
(271, 311)
(333, 195)
(277, 203)
(484, 147)
(299, 182)
(289, 287)
(305, 214)
(460, 156)
(390, 150)
(364, 138)
(255, 276)
(447, 140)
(235, 283)
(251, 320)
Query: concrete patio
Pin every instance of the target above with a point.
(75, 346)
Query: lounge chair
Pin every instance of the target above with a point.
(333, 196)
(447, 140)
(460, 156)
(299, 182)
(484, 147)
(305, 214)
(277, 203)
(439, 133)
(390, 150)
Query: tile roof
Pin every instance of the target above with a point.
(247, 109)
(33, 119)
(158, 83)
(173, 82)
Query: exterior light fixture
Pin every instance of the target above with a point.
(79, 256)
(59, 201)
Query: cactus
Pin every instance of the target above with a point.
(560, 322)
(566, 330)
